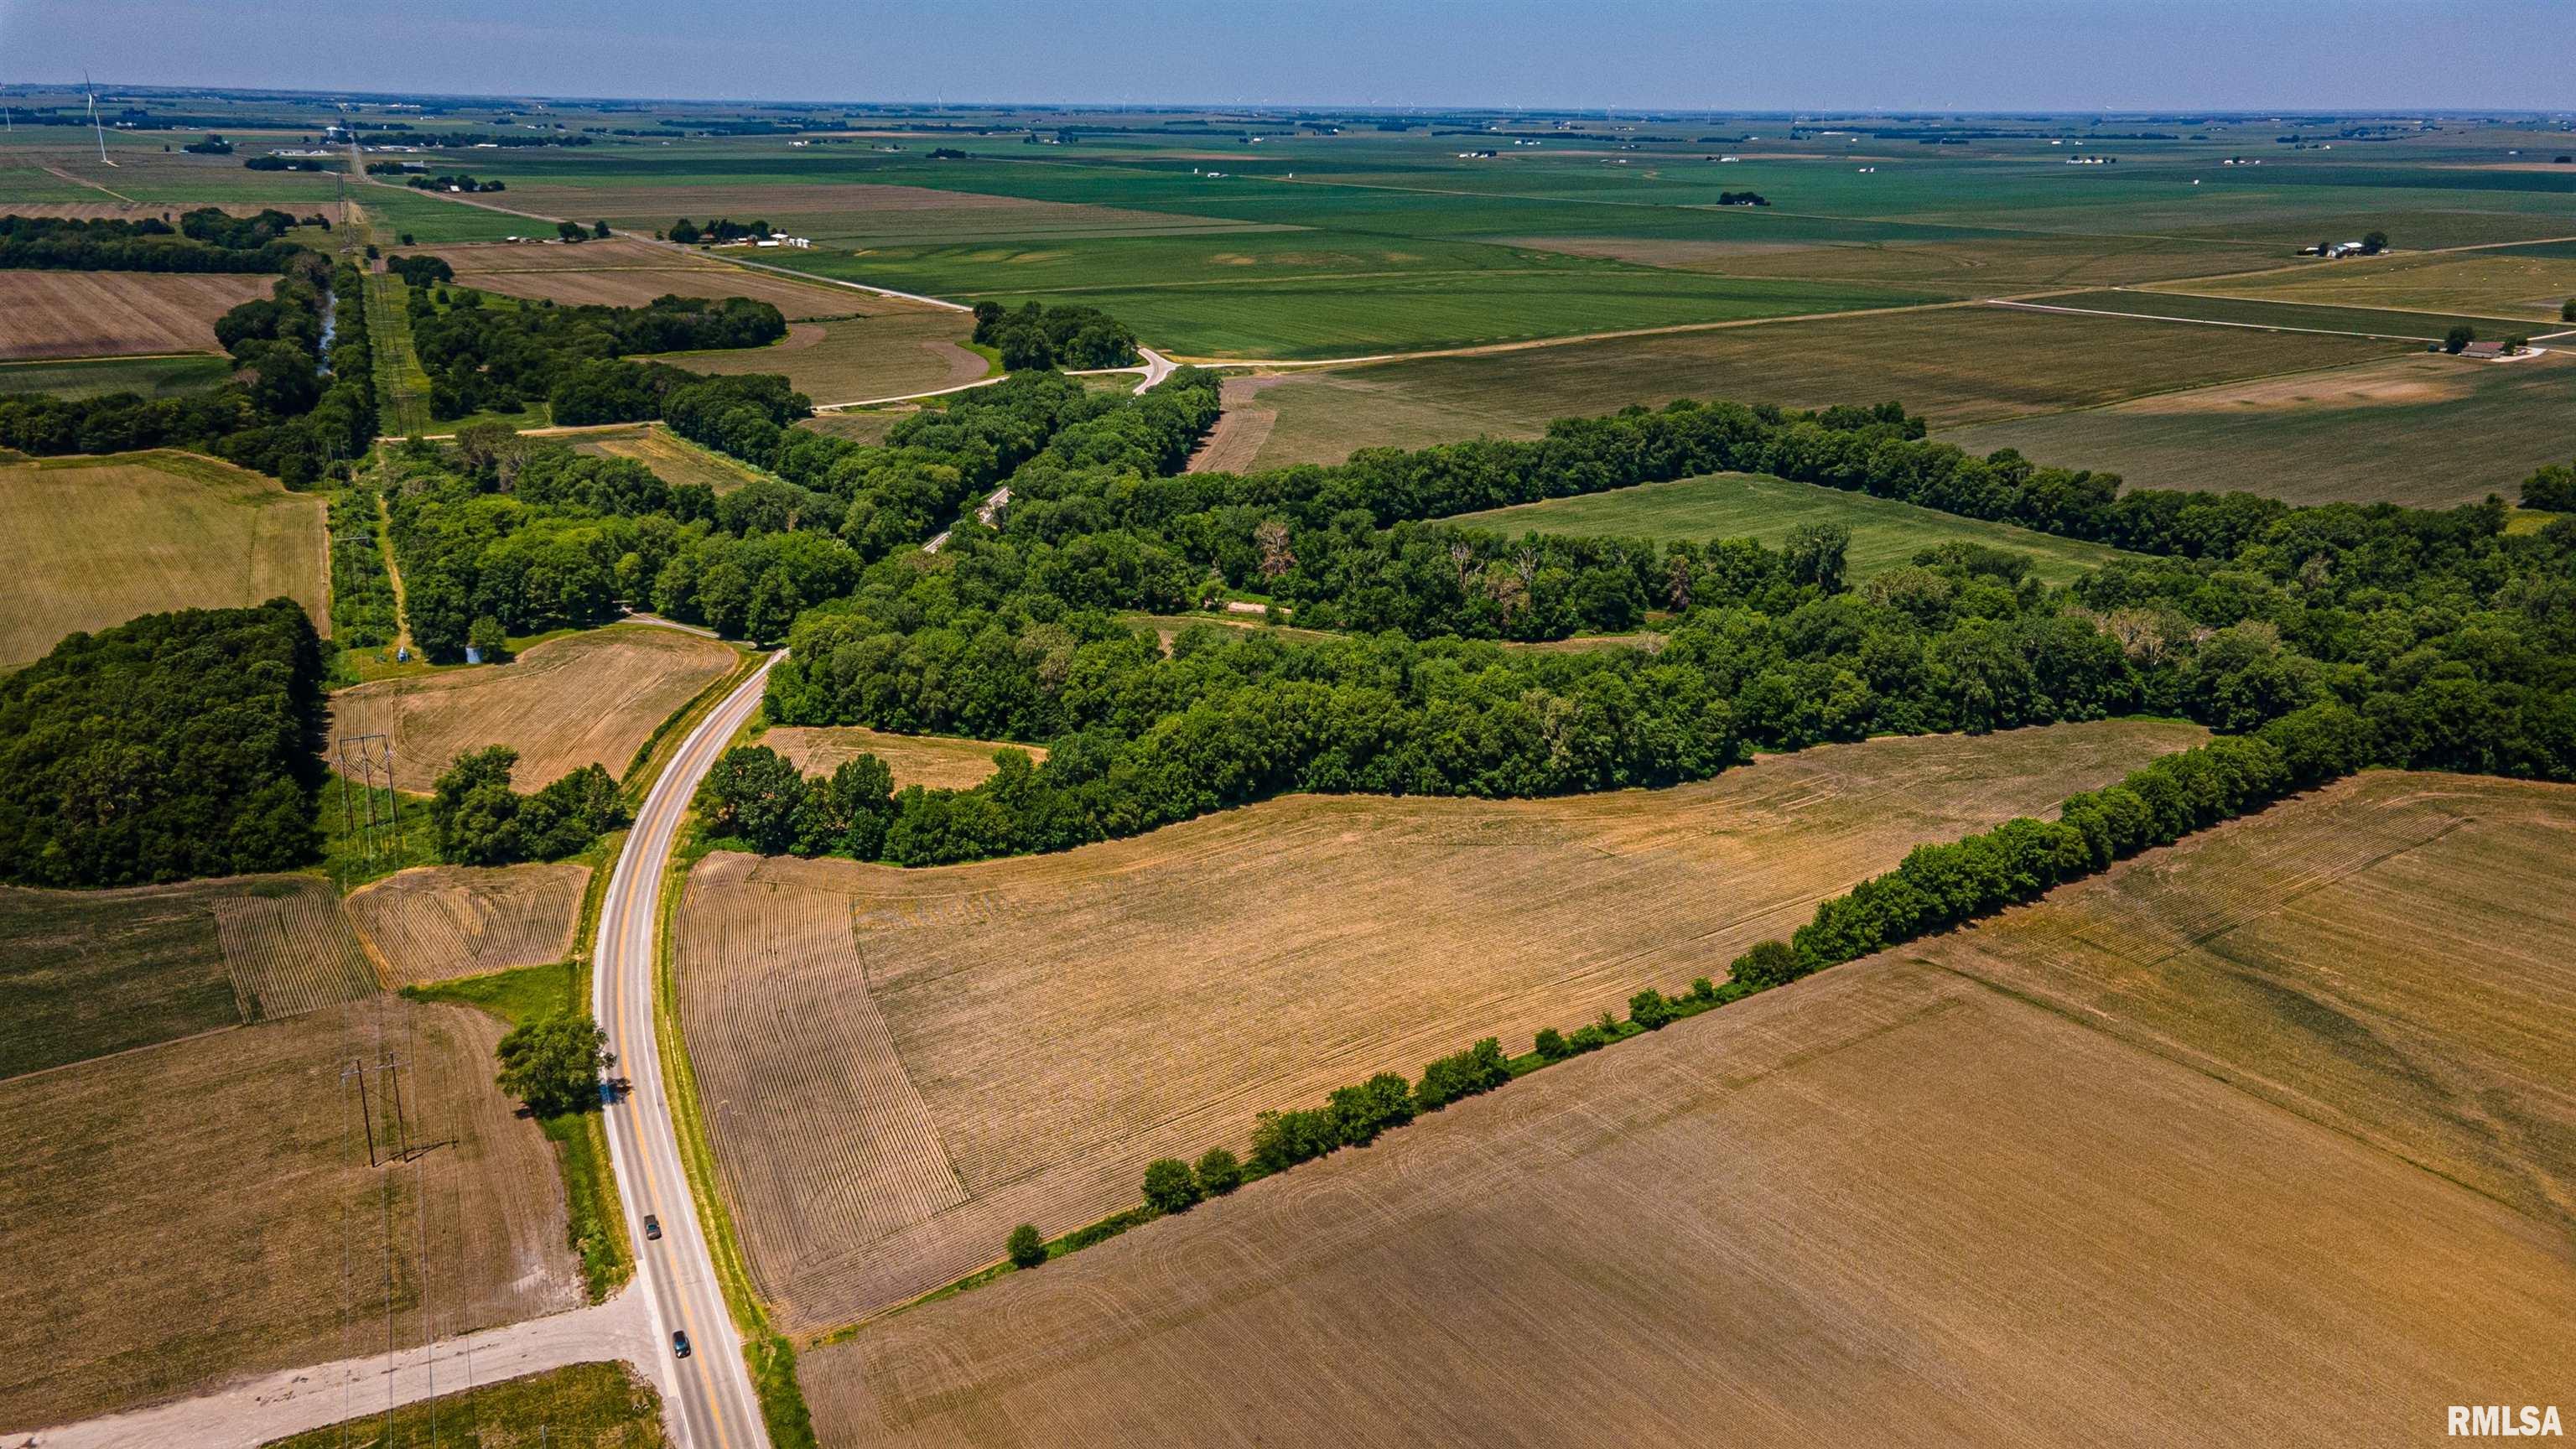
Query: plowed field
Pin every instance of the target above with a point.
(900, 1065)
(1885, 1205)
(88, 973)
(581, 699)
(930, 761)
(113, 314)
(439, 922)
(204, 1210)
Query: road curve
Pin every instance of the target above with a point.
(712, 1405)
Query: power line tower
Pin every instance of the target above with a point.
(374, 817)
(395, 1145)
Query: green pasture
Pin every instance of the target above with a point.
(1884, 533)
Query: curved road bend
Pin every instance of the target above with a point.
(710, 1403)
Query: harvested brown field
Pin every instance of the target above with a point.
(1241, 428)
(857, 360)
(900, 1065)
(1954, 365)
(204, 1210)
(288, 947)
(1885, 1204)
(588, 698)
(114, 314)
(102, 540)
(622, 272)
(439, 922)
(934, 762)
(2393, 957)
(89, 973)
(673, 459)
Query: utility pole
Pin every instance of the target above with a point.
(364, 756)
(397, 1146)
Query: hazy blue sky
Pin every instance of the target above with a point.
(1896, 54)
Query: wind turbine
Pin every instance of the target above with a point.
(93, 119)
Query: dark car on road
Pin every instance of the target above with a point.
(679, 1344)
(652, 1227)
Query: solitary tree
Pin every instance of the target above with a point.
(554, 1063)
(1026, 1248)
(2459, 338)
(2374, 242)
(1169, 1188)
(2567, 310)
(599, 229)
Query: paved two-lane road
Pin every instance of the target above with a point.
(712, 1405)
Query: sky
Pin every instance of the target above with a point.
(1672, 54)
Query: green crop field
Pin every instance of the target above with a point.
(2428, 430)
(1884, 533)
(91, 377)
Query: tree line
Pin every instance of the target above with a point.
(207, 239)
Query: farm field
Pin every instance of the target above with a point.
(828, 209)
(584, 1406)
(2245, 311)
(1884, 532)
(585, 698)
(47, 315)
(1982, 266)
(867, 425)
(2392, 431)
(94, 376)
(103, 539)
(437, 923)
(1316, 317)
(2285, 954)
(934, 762)
(91, 973)
(204, 1210)
(397, 212)
(1954, 365)
(2527, 283)
(1885, 1195)
(857, 360)
(900, 1065)
(626, 272)
(673, 459)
